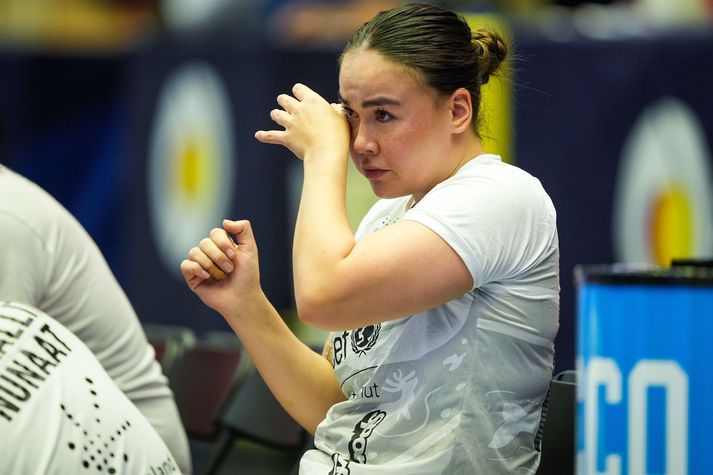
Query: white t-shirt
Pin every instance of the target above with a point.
(457, 389)
(60, 412)
(50, 262)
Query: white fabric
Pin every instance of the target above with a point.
(457, 389)
(60, 412)
(47, 260)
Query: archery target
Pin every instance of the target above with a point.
(663, 200)
(192, 166)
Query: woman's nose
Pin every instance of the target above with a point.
(363, 143)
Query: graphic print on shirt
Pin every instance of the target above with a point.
(101, 449)
(364, 339)
(515, 420)
(358, 443)
(405, 385)
(97, 449)
(42, 352)
(35, 353)
(454, 361)
(361, 340)
(339, 465)
(362, 431)
(384, 222)
(407, 403)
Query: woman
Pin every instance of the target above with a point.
(444, 306)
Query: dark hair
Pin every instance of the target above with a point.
(436, 42)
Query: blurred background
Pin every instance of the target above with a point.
(138, 115)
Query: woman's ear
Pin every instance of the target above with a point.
(461, 105)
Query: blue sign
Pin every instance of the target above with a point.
(645, 386)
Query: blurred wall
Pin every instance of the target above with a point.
(620, 134)
(150, 148)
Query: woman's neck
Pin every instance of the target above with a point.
(470, 148)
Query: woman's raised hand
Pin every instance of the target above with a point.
(312, 125)
(222, 273)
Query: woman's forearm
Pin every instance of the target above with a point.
(318, 133)
(323, 236)
(301, 379)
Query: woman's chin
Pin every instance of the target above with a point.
(385, 192)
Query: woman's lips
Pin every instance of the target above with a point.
(374, 173)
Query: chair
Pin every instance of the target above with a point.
(169, 342)
(202, 379)
(254, 414)
(308, 445)
(558, 455)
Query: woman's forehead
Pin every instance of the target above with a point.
(366, 73)
(366, 61)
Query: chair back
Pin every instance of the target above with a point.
(558, 456)
(255, 414)
(201, 380)
(169, 342)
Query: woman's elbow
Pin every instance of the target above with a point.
(312, 311)
(319, 309)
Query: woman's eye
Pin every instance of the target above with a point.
(383, 116)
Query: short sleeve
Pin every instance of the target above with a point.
(496, 217)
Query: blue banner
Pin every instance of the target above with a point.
(645, 379)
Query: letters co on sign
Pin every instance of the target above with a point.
(645, 363)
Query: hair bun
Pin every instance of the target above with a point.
(491, 50)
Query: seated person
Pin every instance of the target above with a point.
(48, 260)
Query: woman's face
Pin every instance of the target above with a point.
(400, 129)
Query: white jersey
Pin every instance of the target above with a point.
(457, 389)
(50, 262)
(60, 412)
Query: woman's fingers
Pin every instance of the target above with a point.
(243, 232)
(199, 257)
(224, 242)
(210, 248)
(193, 273)
(301, 91)
(281, 117)
(276, 137)
(287, 102)
(304, 117)
(213, 257)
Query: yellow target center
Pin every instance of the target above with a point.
(671, 226)
(189, 169)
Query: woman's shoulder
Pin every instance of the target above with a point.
(488, 190)
(487, 178)
(491, 168)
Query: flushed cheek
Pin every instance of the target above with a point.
(397, 154)
(403, 142)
